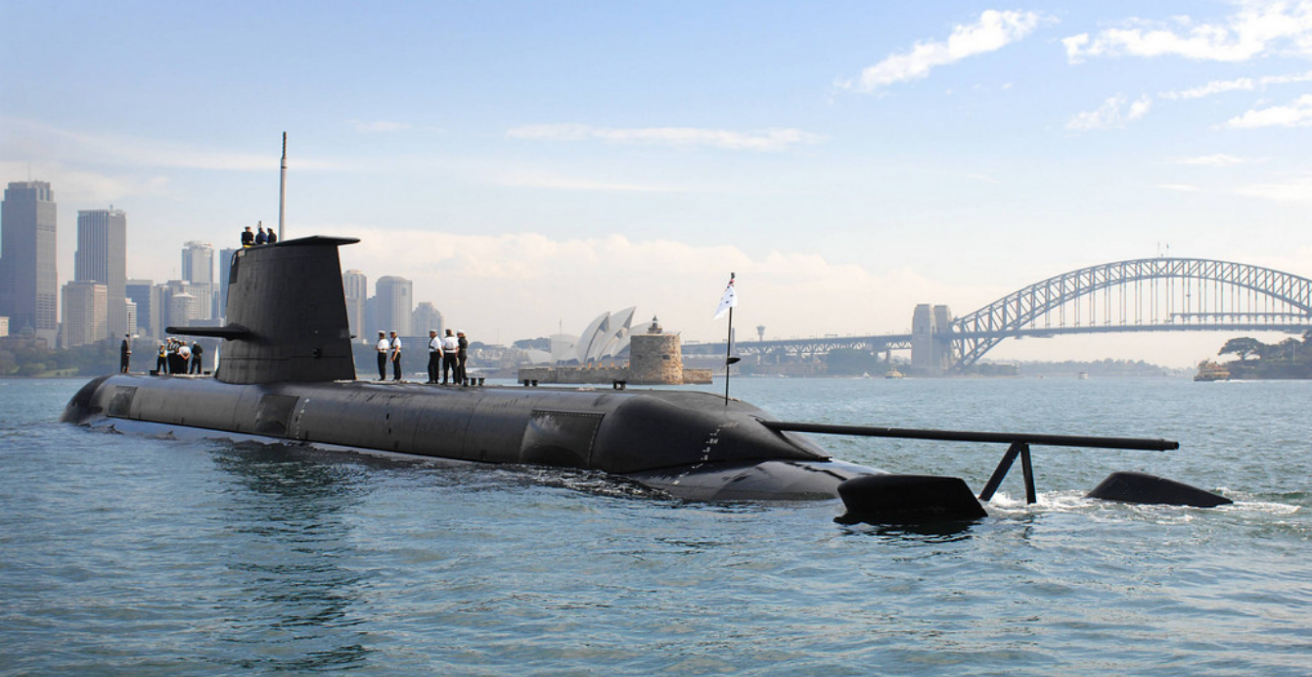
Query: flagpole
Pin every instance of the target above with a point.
(728, 353)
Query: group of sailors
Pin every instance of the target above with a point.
(446, 357)
(175, 357)
(249, 239)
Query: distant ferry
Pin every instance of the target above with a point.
(1211, 371)
(893, 373)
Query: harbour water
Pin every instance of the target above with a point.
(134, 556)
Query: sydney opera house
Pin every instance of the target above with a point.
(606, 337)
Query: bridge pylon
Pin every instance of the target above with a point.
(931, 339)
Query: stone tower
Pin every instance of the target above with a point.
(655, 357)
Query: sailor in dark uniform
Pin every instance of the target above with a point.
(383, 346)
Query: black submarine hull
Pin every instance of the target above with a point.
(689, 444)
(287, 375)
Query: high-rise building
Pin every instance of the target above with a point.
(225, 267)
(395, 304)
(198, 269)
(132, 317)
(29, 289)
(176, 303)
(426, 318)
(356, 286)
(102, 256)
(183, 308)
(86, 305)
(138, 292)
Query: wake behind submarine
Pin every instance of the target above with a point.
(288, 376)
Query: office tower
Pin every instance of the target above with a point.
(426, 318)
(395, 304)
(198, 270)
(138, 292)
(132, 317)
(176, 303)
(183, 308)
(356, 286)
(102, 256)
(86, 305)
(159, 310)
(225, 267)
(29, 290)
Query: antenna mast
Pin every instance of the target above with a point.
(282, 191)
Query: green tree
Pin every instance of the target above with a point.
(1243, 347)
(846, 361)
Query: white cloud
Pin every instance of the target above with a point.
(1180, 187)
(1218, 160)
(1258, 29)
(87, 187)
(1247, 84)
(992, 32)
(36, 139)
(1111, 114)
(1295, 189)
(1297, 114)
(763, 140)
(531, 179)
(527, 284)
(380, 127)
(1214, 87)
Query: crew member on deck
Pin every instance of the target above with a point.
(261, 237)
(196, 352)
(184, 357)
(383, 346)
(247, 237)
(396, 357)
(434, 355)
(125, 353)
(450, 363)
(462, 353)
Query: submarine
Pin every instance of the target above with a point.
(287, 376)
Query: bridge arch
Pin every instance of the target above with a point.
(1160, 294)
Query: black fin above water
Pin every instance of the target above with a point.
(286, 315)
(907, 499)
(1137, 487)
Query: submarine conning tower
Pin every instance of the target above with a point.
(286, 315)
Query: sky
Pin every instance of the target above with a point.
(530, 165)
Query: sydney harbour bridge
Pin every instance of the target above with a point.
(1141, 295)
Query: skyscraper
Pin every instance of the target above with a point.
(225, 268)
(85, 317)
(198, 269)
(426, 318)
(138, 291)
(395, 304)
(29, 290)
(356, 286)
(102, 256)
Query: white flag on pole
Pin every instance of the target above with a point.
(729, 300)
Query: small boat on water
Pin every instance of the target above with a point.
(893, 373)
(1211, 371)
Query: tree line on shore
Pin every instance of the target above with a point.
(1290, 358)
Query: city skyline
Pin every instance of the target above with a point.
(847, 161)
